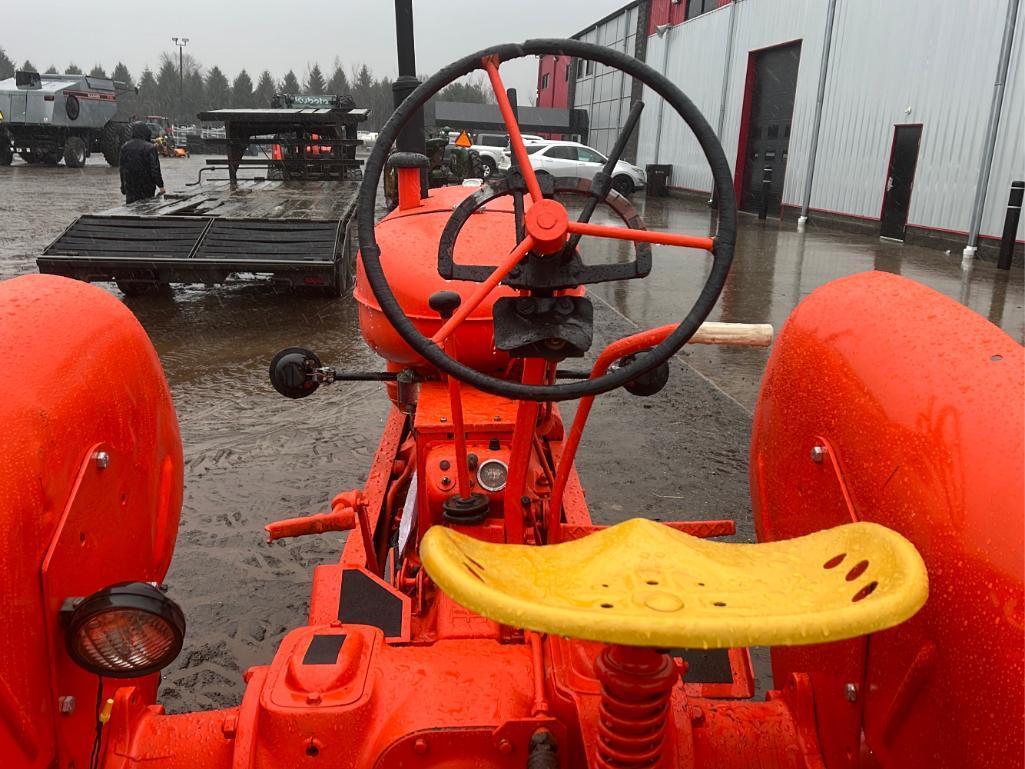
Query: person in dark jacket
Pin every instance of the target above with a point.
(140, 166)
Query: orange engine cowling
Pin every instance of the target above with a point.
(90, 495)
(409, 255)
(888, 402)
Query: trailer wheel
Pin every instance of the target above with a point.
(75, 152)
(112, 137)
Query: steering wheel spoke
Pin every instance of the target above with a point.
(473, 301)
(519, 149)
(643, 236)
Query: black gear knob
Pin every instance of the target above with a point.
(293, 372)
(445, 303)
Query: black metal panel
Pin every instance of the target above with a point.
(274, 240)
(149, 238)
(323, 649)
(366, 602)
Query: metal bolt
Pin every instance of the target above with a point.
(504, 746)
(313, 698)
(851, 692)
(420, 746)
(66, 704)
(229, 727)
(443, 419)
(102, 459)
(817, 454)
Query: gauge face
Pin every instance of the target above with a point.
(492, 475)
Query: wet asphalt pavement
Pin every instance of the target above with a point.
(252, 456)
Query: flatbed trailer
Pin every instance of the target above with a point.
(294, 230)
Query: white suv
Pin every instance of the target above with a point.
(558, 158)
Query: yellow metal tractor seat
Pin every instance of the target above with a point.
(640, 583)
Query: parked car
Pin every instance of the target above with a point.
(492, 148)
(560, 158)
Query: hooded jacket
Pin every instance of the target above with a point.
(140, 166)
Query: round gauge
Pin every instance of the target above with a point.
(492, 474)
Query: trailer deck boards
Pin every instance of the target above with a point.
(295, 232)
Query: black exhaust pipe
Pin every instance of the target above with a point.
(411, 137)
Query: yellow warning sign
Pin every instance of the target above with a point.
(463, 140)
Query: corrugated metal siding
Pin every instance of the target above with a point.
(891, 63)
(696, 57)
(605, 92)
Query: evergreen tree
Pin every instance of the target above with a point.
(362, 86)
(127, 102)
(473, 90)
(147, 93)
(52, 70)
(29, 67)
(97, 71)
(315, 83)
(6, 65)
(73, 69)
(195, 96)
(339, 83)
(217, 89)
(264, 90)
(122, 75)
(166, 98)
(242, 90)
(290, 84)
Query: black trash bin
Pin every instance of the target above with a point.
(658, 179)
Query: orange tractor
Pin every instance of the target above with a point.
(477, 616)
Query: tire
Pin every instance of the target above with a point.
(144, 287)
(488, 165)
(75, 152)
(29, 158)
(72, 106)
(623, 184)
(6, 153)
(112, 137)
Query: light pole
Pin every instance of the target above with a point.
(181, 42)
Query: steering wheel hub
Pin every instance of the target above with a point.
(547, 222)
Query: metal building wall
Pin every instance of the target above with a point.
(604, 92)
(886, 58)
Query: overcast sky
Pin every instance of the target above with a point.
(276, 35)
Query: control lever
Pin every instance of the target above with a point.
(297, 372)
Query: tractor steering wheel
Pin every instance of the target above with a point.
(548, 228)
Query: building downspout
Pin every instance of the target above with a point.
(991, 135)
(816, 122)
(661, 30)
(725, 92)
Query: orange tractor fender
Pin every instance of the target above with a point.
(886, 401)
(90, 495)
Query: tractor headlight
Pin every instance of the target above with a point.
(126, 630)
